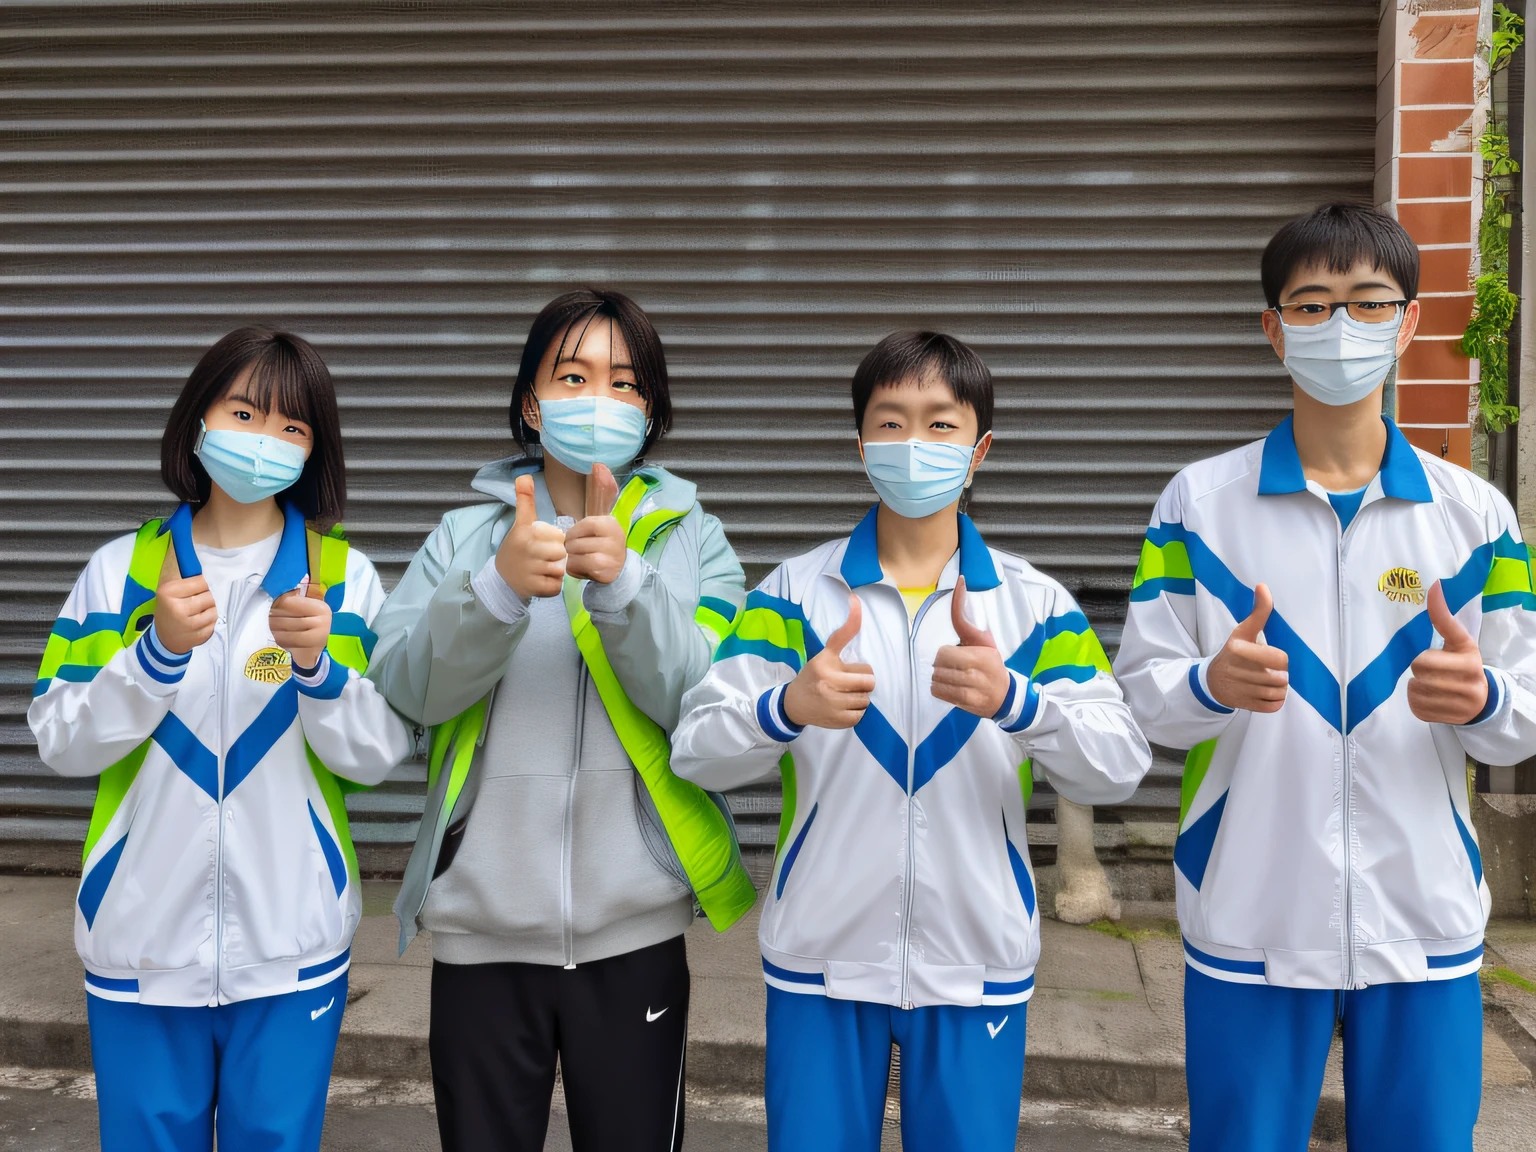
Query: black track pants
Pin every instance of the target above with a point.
(619, 1027)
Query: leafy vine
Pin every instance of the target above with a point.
(1493, 308)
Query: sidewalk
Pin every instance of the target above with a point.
(1105, 1023)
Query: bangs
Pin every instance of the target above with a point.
(281, 381)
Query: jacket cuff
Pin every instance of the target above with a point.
(163, 668)
(772, 718)
(497, 595)
(1200, 689)
(325, 682)
(1021, 706)
(1496, 698)
(611, 599)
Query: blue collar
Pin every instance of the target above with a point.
(1402, 476)
(861, 559)
(288, 566)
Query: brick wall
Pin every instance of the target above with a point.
(1430, 88)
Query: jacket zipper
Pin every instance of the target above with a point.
(567, 833)
(910, 867)
(218, 854)
(1348, 772)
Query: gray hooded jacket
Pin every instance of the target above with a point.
(553, 853)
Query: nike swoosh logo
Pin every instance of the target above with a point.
(994, 1029)
(319, 1012)
(652, 1017)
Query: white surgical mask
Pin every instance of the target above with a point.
(588, 430)
(916, 478)
(247, 465)
(1341, 360)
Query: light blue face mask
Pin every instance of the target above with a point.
(588, 430)
(916, 478)
(249, 467)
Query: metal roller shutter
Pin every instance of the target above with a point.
(1081, 191)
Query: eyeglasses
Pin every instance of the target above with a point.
(1308, 312)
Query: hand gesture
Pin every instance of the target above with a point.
(184, 613)
(1247, 673)
(301, 624)
(971, 674)
(1447, 684)
(531, 558)
(829, 693)
(595, 546)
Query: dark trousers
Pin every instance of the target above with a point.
(619, 1027)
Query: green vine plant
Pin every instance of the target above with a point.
(1493, 307)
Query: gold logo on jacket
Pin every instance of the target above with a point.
(269, 666)
(1402, 586)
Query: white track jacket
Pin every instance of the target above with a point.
(1329, 844)
(221, 868)
(902, 875)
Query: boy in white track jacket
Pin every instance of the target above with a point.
(909, 683)
(207, 670)
(1333, 622)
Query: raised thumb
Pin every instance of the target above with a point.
(1456, 637)
(845, 633)
(602, 491)
(1263, 604)
(969, 634)
(527, 513)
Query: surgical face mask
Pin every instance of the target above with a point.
(1342, 360)
(249, 467)
(916, 478)
(588, 430)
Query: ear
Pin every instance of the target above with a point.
(978, 456)
(1270, 320)
(531, 410)
(1410, 326)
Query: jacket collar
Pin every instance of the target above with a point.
(288, 566)
(1402, 475)
(861, 558)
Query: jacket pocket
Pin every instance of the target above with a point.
(793, 853)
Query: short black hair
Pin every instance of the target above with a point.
(1337, 237)
(287, 374)
(571, 315)
(917, 356)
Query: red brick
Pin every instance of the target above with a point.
(1445, 269)
(1436, 83)
(1435, 130)
(1426, 177)
(1445, 37)
(1434, 360)
(1444, 315)
(1453, 444)
(1434, 403)
(1436, 221)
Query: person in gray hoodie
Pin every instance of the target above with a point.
(546, 639)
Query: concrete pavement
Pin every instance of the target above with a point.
(1105, 1027)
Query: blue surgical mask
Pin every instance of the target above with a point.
(916, 478)
(588, 430)
(249, 467)
(1340, 361)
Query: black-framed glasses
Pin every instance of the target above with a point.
(1308, 312)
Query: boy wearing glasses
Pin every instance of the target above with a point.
(1333, 622)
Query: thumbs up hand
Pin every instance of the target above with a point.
(1447, 684)
(531, 558)
(970, 675)
(1247, 673)
(184, 613)
(828, 693)
(595, 546)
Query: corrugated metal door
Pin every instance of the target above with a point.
(1080, 190)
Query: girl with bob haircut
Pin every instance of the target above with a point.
(207, 669)
(547, 638)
